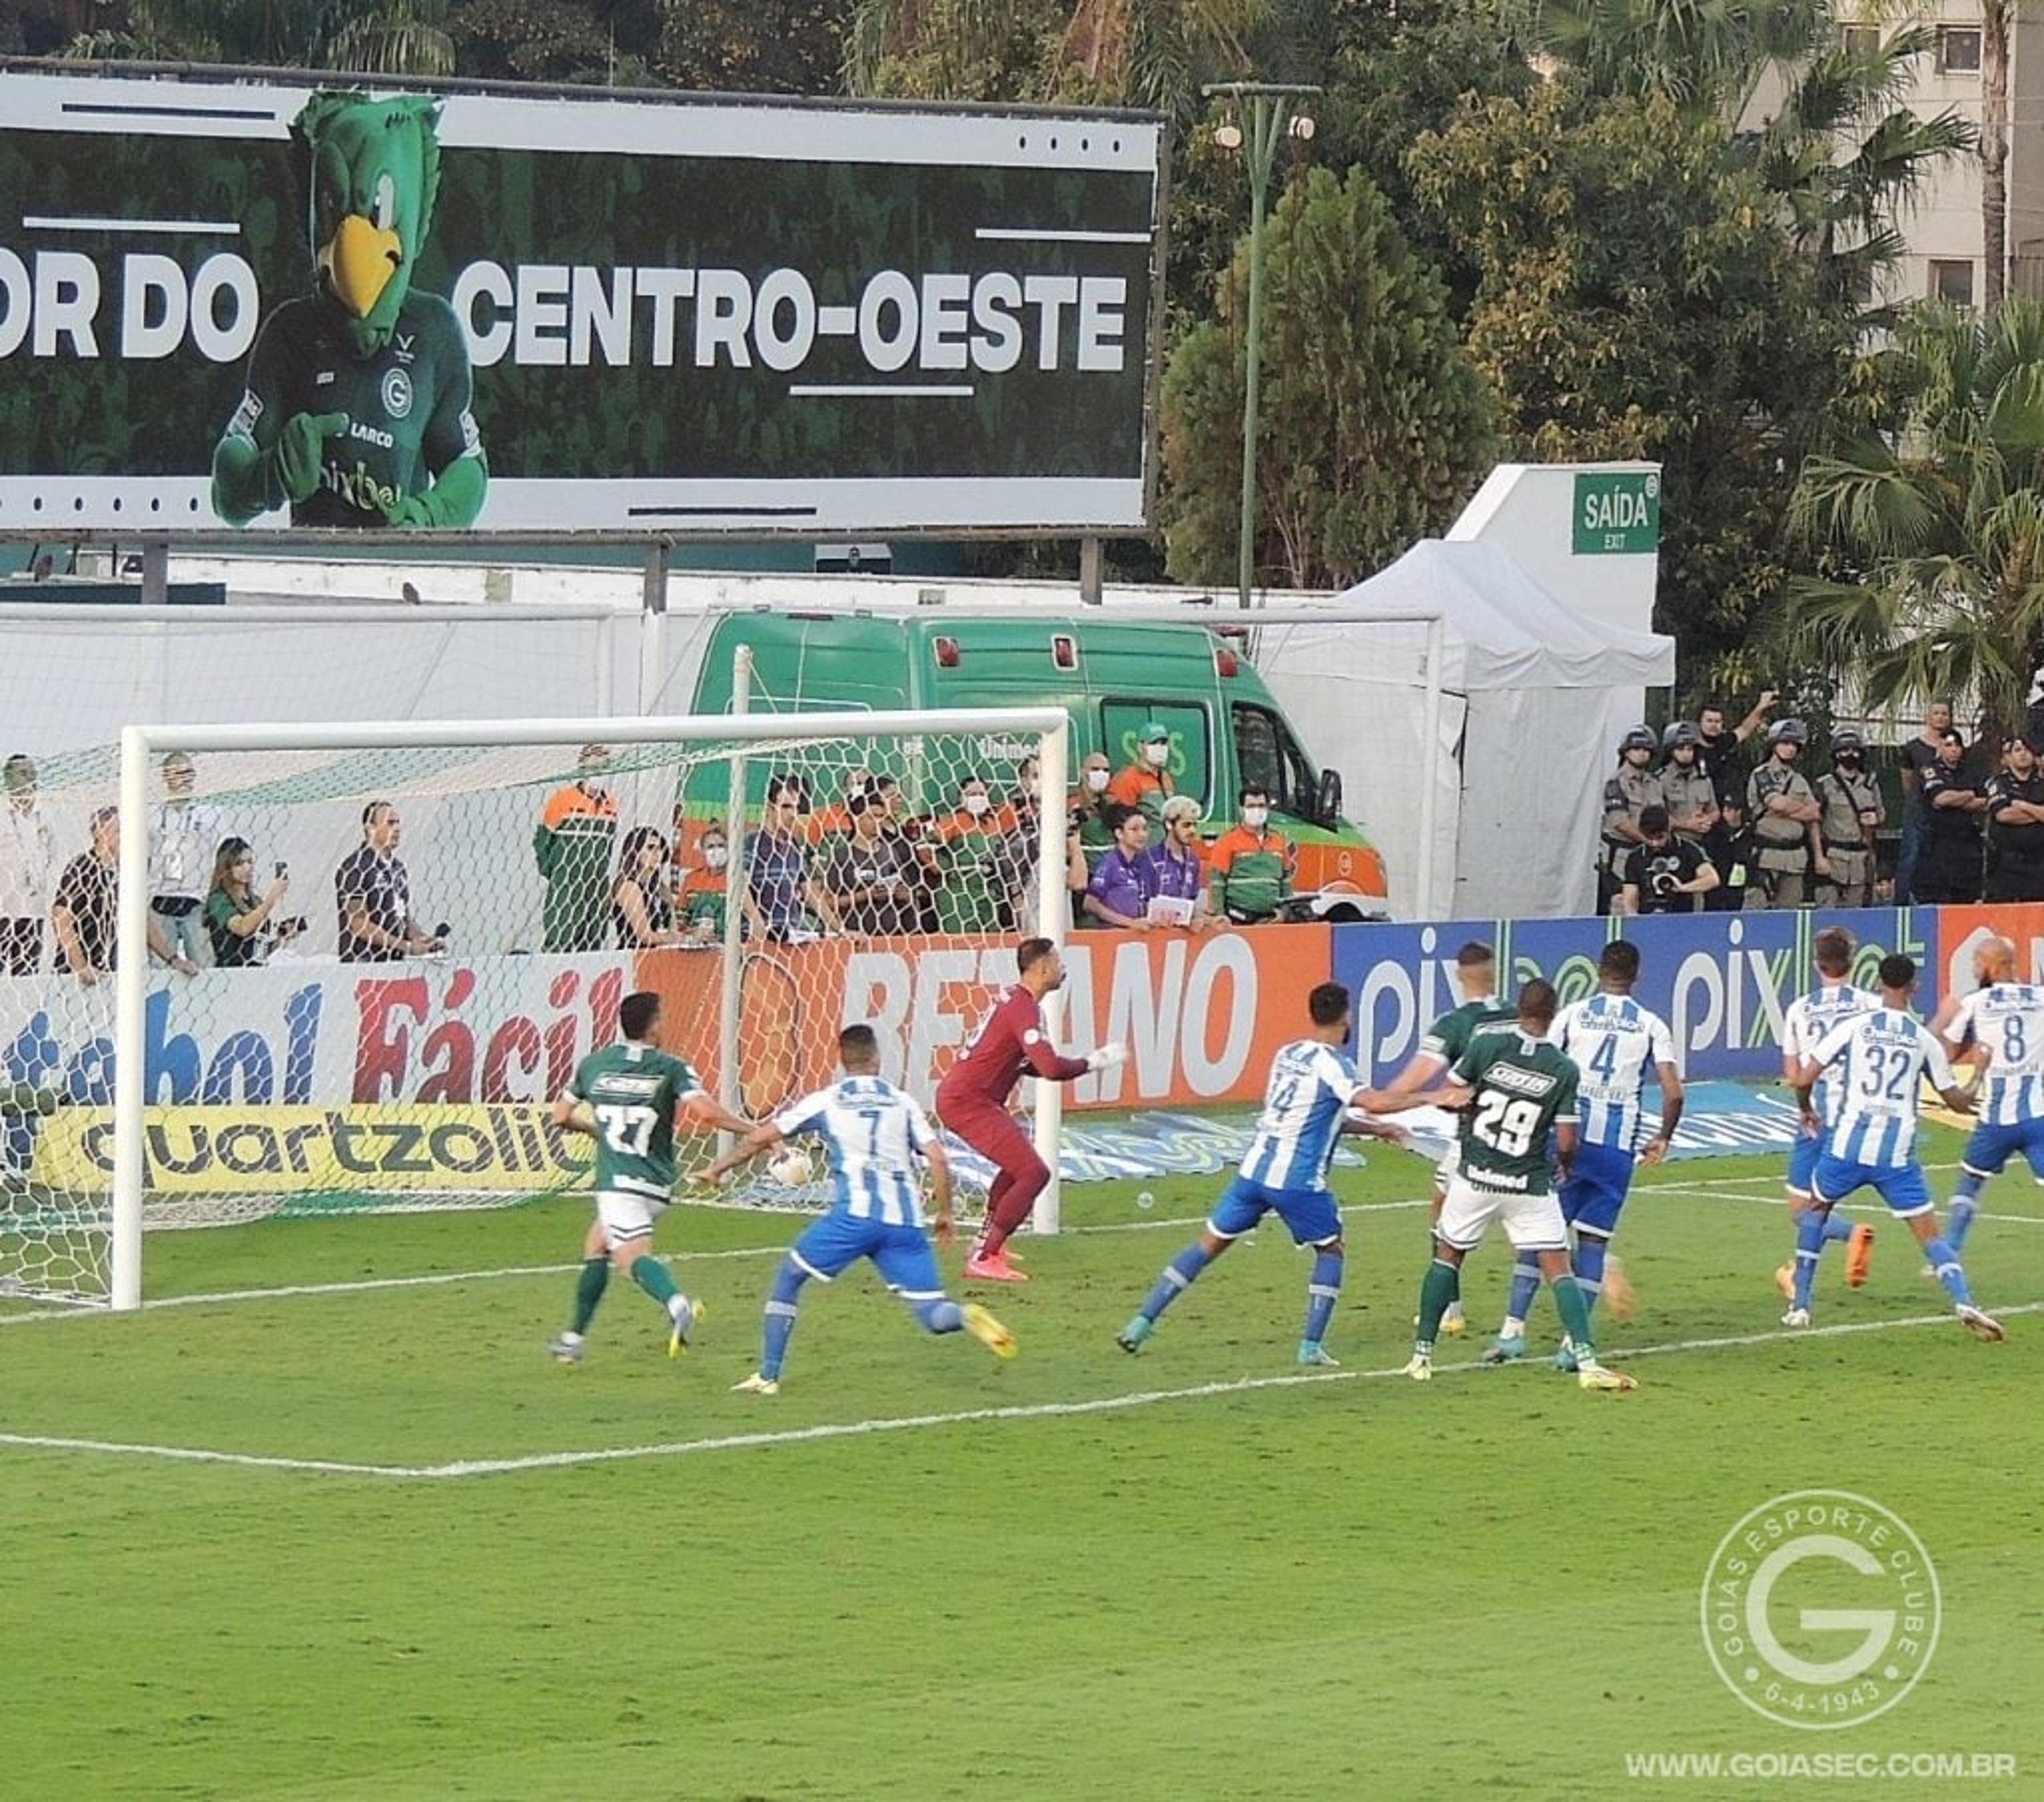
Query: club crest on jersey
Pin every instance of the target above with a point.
(400, 347)
(397, 393)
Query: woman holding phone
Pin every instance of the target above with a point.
(239, 923)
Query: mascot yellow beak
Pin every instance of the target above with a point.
(360, 261)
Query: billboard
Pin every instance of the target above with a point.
(224, 304)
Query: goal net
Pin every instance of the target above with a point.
(288, 970)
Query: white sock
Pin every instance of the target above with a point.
(1514, 1327)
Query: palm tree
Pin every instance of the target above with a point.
(1995, 28)
(1935, 533)
(374, 36)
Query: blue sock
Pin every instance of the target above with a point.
(1942, 1258)
(1179, 1275)
(1836, 1226)
(942, 1315)
(1588, 1264)
(787, 1282)
(1965, 1203)
(1812, 1228)
(1322, 1287)
(1525, 1285)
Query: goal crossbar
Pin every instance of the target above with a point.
(141, 744)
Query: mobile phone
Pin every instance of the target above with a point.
(283, 868)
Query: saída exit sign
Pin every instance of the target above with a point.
(1617, 512)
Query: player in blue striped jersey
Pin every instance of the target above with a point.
(1305, 1109)
(1882, 1059)
(2004, 1019)
(875, 1135)
(1804, 1023)
(1613, 1041)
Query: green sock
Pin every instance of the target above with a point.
(589, 1286)
(1444, 1284)
(1575, 1314)
(652, 1275)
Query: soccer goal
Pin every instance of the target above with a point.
(401, 938)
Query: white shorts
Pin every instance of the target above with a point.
(1531, 1222)
(626, 1216)
(1451, 1161)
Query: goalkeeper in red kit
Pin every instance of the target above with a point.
(972, 1101)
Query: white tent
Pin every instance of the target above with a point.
(1533, 700)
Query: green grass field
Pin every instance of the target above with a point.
(1194, 1574)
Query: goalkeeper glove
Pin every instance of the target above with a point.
(1105, 1056)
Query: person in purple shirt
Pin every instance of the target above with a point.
(1125, 879)
(1181, 873)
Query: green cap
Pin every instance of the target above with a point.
(1155, 732)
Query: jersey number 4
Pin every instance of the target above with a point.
(628, 1132)
(1506, 1123)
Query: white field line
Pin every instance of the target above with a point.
(900, 1423)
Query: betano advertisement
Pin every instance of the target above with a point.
(225, 303)
(432, 1077)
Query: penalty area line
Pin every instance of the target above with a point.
(767, 1439)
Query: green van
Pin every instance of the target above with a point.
(1112, 676)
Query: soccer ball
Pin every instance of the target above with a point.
(789, 1166)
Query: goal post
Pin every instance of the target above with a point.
(216, 1112)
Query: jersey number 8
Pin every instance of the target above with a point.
(1506, 1123)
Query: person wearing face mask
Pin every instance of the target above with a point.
(1086, 807)
(572, 846)
(1252, 864)
(1632, 788)
(1147, 783)
(2015, 826)
(972, 890)
(703, 891)
(1851, 815)
(1783, 808)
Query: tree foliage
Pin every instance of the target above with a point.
(374, 36)
(1372, 425)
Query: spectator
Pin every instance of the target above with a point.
(872, 875)
(83, 912)
(1147, 782)
(2015, 826)
(781, 901)
(572, 844)
(1784, 809)
(1714, 751)
(701, 895)
(1735, 872)
(972, 887)
(28, 866)
(1634, 788)
(242, 927)
(372, 896)
(1018, 864)
(1664, 873)
(1918, 758)
(1948, 859)
(914, 832)
(1028, 784)
(641, 912)
(1087, 805)
(1122, 888)
(182, 837)
(1717, 744)
(1849, 818)
(1182, 874)
(828, 822)
(1253, 864)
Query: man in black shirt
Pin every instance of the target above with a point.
(1918, 757)
(1948, 867)
(2015, 826)
(84, 913)
(373, 896)
(1664, 874)
(1714, 749)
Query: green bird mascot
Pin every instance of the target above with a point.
(357, 410)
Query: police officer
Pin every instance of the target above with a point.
(1629, 792)
(1954, 802)
(2015, 826)
(1783, 810)
(1851, 815)
(1689, 791)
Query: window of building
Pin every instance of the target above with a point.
(1952, 281)
(1958, 50)
(1860, 40)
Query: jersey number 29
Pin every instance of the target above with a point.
(1506, 1123)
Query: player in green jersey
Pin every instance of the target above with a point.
(1447, 1040)
(628, 1098)
(357, 409)
(1520, 1092)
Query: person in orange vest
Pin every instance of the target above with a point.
(572, 844)
(1147, 783)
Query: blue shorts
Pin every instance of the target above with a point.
(1905, 1190)
(1599, 1179)
(1310, 1213)
(1803, 1160)
(901, 1255)
(1989, 1149)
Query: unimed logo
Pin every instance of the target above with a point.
(1820, 1609)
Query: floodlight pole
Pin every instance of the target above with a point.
(1269, 112)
